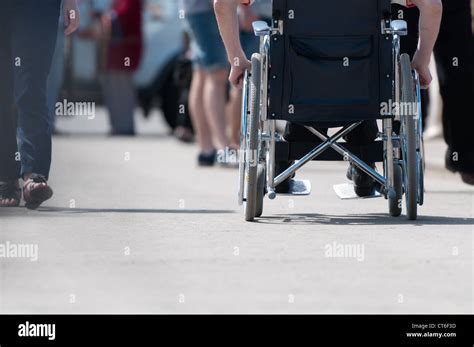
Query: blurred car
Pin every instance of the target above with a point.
(164, 44)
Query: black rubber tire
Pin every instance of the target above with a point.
(421, 174)
(253, 129)
(408, 96)
(395, 205)
(261, 182)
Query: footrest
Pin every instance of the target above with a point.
(298, 187)
(346, 191)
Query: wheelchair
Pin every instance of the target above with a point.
(331, 64)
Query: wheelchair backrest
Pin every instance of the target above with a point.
(332, 62)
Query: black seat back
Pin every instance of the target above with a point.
(332, 63)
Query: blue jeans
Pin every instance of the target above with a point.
(206, 42)
(27, 42)
(56, 74)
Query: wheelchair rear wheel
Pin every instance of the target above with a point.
(409, 137)
(252, 157)
(261, 180)
(421, 148)
(395, 204)
(421, 172)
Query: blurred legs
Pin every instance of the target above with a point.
(234, 110)
(214, 102)
(9, 167)
(120, 98)
(33, 43)
(198, 113)
(55, 79)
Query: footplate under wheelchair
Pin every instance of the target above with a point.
(298, 187)
(345, 191)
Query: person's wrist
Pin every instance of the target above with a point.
(422, 57)
(237, 60)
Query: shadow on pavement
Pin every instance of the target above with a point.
(131, 210)
(369, 219)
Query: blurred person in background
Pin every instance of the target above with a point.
(208, 93)
(27, 43)
(123, 39)
(454, 60)
(260, 10)
(454, 53)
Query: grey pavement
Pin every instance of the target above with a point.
(135, 227)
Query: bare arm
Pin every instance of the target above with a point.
(227, 18)
(430, 20)
(72, 16)
(247, 17)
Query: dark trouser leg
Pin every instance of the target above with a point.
(364, 134)
(33, 41)
(298, 133)
(119, 95)
(9, 166)
(454, 57)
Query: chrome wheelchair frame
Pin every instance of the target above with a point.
(403, 151)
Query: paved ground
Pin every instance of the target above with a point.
(134, 226)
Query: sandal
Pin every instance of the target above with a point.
(34, 196)
(10, 191)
